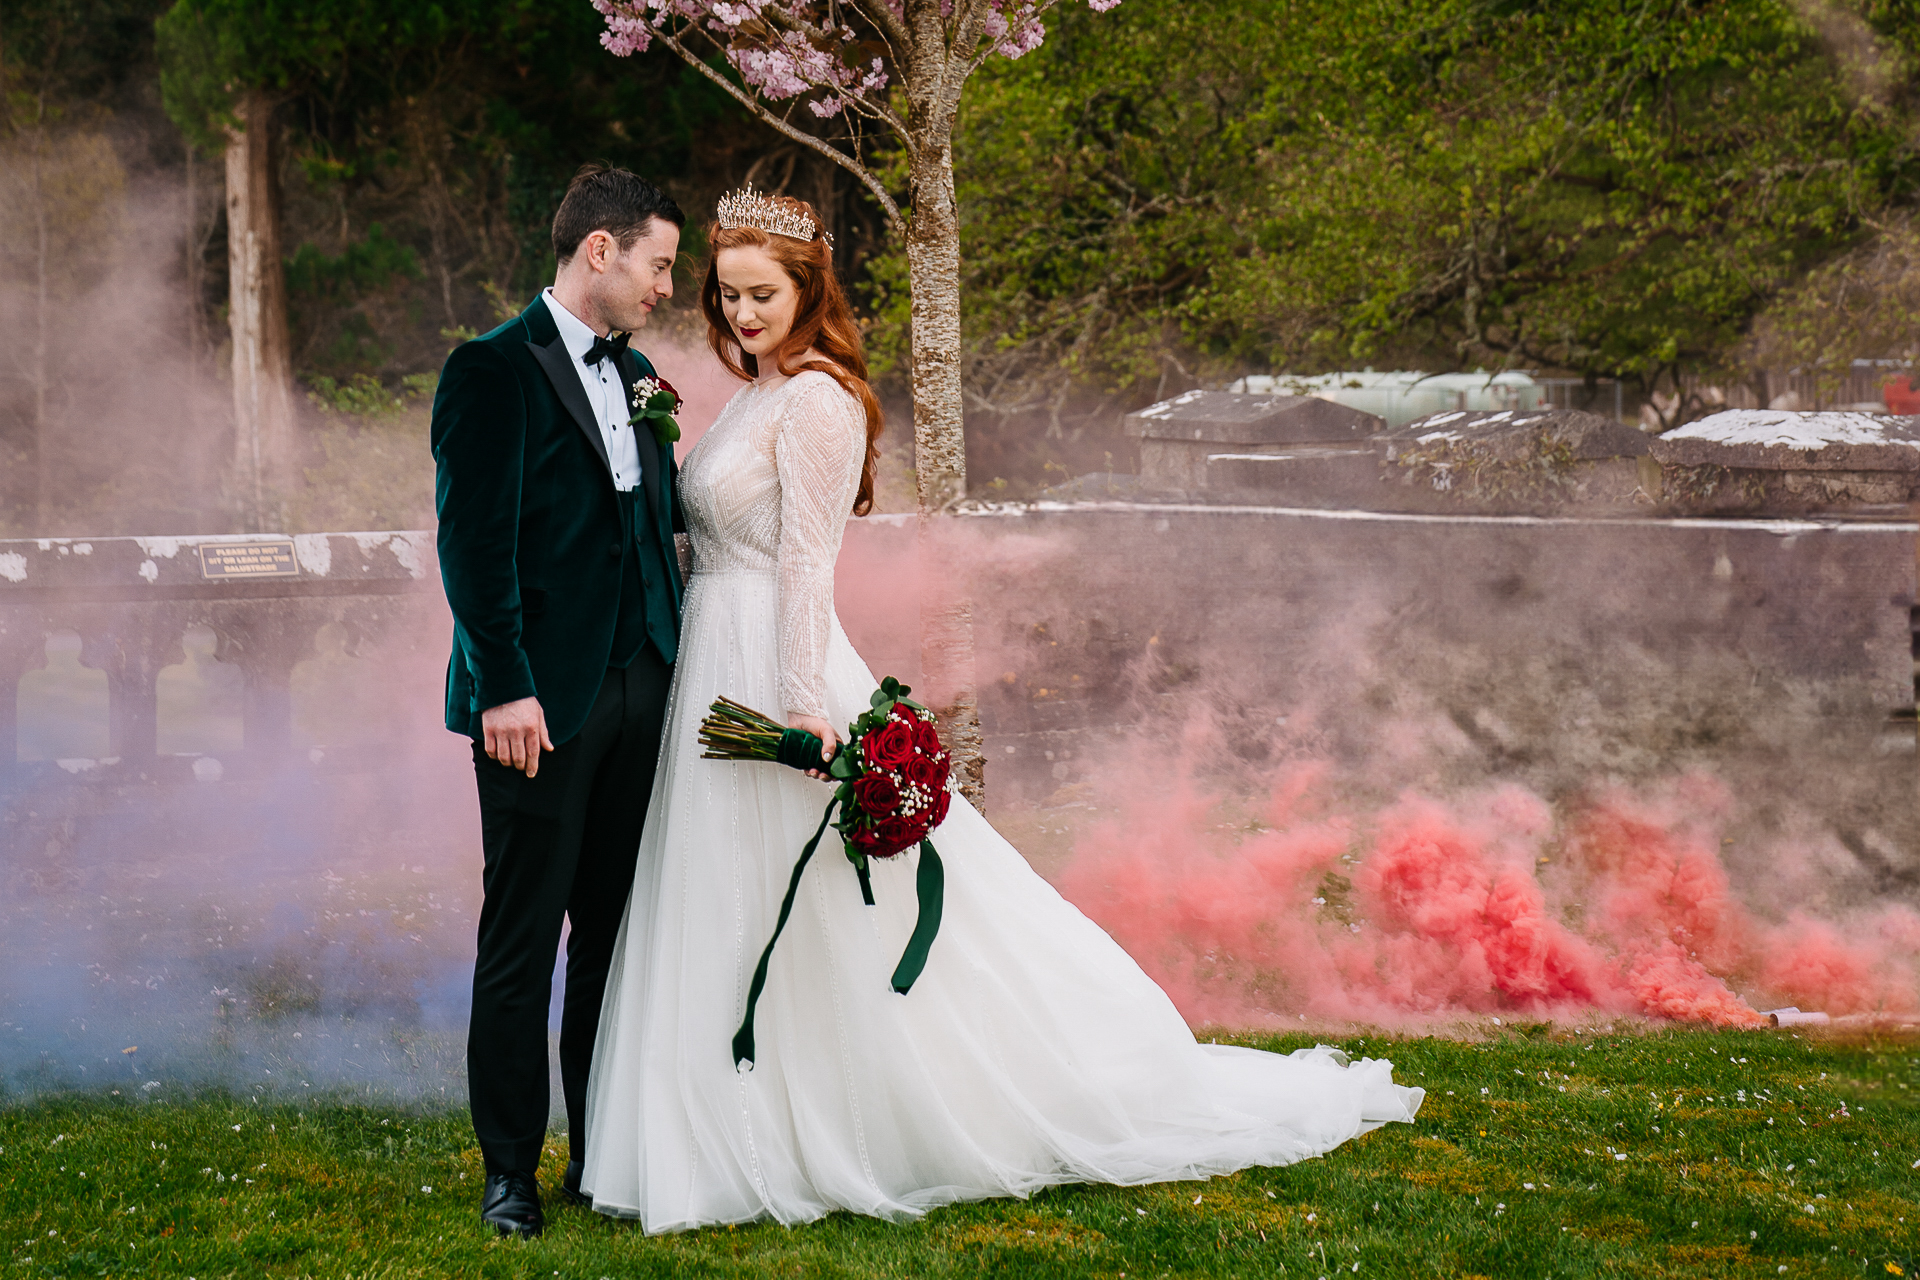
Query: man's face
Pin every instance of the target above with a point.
(629, 283)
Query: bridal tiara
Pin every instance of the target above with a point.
(749, 208)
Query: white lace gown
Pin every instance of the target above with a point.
(1031, 1051)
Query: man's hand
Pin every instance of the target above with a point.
(516, 734)
(829, 740)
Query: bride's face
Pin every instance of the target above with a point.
(758, 298)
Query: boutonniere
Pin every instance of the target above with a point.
(654, 403)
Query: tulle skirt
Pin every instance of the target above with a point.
(1032, 1050)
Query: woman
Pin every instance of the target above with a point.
(1032, 1050)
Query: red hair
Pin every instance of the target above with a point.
(822, 322)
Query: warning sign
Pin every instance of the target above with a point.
(248, 559)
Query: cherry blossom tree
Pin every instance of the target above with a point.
(882, 67)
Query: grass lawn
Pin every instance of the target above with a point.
(1659, 1153)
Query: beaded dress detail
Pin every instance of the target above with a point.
(1032, 1050)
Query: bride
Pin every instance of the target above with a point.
(1032, 1050)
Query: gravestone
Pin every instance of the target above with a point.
(1763, 460)
(1220, 443)
(1512, 460)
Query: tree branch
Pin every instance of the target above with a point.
(978, 58)
(885, 21)
(753, 104)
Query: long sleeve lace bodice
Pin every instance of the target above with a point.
(768, 489)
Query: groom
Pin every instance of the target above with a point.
(557, 553)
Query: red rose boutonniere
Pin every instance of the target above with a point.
(654, 403)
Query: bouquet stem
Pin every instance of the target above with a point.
(734, 732)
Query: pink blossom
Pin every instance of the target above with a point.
(778, 61)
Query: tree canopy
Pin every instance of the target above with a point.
(1156, 197)
(1191, 191)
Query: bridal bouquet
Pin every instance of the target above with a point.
(892, 775)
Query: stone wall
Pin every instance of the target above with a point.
(1446, 652)
(1404, 649)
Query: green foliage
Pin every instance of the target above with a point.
(1865, 303)
(361, 395)
(210, 48)
(457, 122)
(58, 55)
(1311, 184)
(366, 265)
(1727, 1139)
(195, 85)
(365, 396)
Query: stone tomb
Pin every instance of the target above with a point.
(1218, 443)
(1751, 460)
(1511, 460)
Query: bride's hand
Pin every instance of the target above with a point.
(829, 740)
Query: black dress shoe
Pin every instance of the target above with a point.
(512, 1204)
(570, 1184)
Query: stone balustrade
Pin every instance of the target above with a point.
(265, 599)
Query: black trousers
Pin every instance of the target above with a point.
(561, 844)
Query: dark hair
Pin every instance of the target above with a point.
(601, 198)
(822, 321)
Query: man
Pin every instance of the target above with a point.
(557, 554)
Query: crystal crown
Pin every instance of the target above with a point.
(749, 208)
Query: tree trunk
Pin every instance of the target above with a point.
(257, 292)
(939, 440)
(196, 276)
(42, 428)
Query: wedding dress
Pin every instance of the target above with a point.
(1031, 1051)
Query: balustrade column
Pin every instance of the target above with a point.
(266, 639)
(23, 646)
(131, 646)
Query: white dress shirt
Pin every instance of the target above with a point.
(605, 393)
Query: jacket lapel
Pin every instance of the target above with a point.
(648, 449)
(554, 361)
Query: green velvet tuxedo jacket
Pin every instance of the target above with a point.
(543, 560)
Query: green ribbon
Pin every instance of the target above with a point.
(930, 885)
(800, 750)
(743, 1038)
(930, 888)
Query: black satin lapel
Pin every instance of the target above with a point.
(558, 365)
(648, 449)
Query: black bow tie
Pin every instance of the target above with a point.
(606, 349)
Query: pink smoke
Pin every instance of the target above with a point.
(1618, 904)
(684, 360)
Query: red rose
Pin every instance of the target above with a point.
(876, 794)
(893, 836)
(668, 388)
(926, 737)
(926, 771)
(889, 746)
(941, 799)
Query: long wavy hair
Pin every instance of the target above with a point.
(822, 323)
